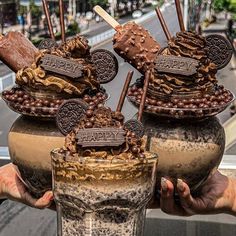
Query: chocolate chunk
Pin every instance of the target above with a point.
(106, 65)
(135, 126)
(69, 114)
(220, 50)
(47, 44)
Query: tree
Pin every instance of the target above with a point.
(221, 5)
(102, 3)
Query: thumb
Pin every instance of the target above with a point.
(41, 203)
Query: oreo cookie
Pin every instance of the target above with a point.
(106, 65)
(69, 114)
(220, 50)
(47, 44)
(135, 126)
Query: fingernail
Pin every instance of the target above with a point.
(180, 185)
(164, 186)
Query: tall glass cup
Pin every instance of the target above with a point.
(102, 197)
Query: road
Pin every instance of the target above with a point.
(7, 117)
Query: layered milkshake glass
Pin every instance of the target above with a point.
(96, 196)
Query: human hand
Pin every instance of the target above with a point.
(12, 187)
(218, 195)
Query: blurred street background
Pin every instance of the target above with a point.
(26, 16)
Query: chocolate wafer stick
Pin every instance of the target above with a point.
(163, 23)
(61, 9)
(143, 99)
(179, 14)
(124, 91)
(46, 11)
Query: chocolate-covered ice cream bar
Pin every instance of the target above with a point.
(16, 51)
(132, 42)
(136, 45)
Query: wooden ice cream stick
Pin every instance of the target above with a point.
(143, 99)
(46, 11)
(109, 19)
(163, 23)
(179, 14)
(61, 9)
(124, 91)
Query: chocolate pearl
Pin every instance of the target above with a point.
(222, 103)
(180, 104)
(134, 150)
(221, 86)
(169, 104)
(194, 106)
(94, 98)
(46, 103)
(58, 101)
(52, 104)
(20, 99)
(13, 98)
(88, 124)
(89, 113)
(201, 105)
(7, 96)
(186, 106)
(199, 112)
(92, 104)
(11, 92)
(192, 101)
(207, 96)
(140, 96)
(159, 103)
(26, 96)
(138, 101)
(27, 107)
(212, 98)
(185, 101)
(151, 101)
(4, 93)
(130, 93)
(206, 106)
(133, 135)
(100, 105)
(38, 104)
(175, 101)
(91, 107)
(217, 93)
(92, 119)
(204, 100)
(149, 108)
(135, 93)
(38, 100)
(57, 106)
(96, 101)
(99, 94)
(197, 101)
(87, 99)
(100, 99)
(208, 103)
(140, 90)
(133, 89)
